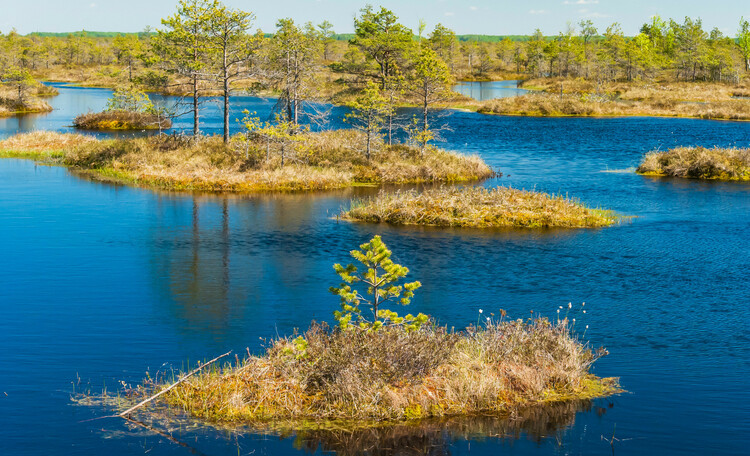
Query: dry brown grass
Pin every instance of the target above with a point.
(698, 163)
(642, 90)
(479, 208)
(120, 120)
(44, 141)
(364, 377)
(542, 104)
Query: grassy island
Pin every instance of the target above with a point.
(384, 368)
(479, 208)
(592, 105)
(698, 163)
(27, 101)
(307, 161)
(121, 120)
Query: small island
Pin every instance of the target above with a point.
(478, 208)
(376, 367)
(129, 108)
(716, 163)
(558, 97)
(20, 93)
(267, 160)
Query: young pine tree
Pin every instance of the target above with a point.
(379, 278)
(369, 112)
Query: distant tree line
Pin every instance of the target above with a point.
(206, 47)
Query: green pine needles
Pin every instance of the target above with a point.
(380, 279)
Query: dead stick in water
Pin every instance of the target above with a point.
(184, 377)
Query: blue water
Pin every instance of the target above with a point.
(489, 90)
(100, 283)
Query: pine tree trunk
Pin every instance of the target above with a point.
(226, 99)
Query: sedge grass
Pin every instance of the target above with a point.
(698, 163)
(478, 208)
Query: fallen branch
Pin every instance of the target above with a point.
(182, 379)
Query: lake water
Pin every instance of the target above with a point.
(100, 283)
(489, 90)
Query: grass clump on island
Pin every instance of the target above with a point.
(385, 367)
(698, 163)
(478, 207)
(308, 161)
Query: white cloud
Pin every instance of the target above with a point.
(92, 5)
(538, 11)
(473, 8)
(449, 14)
(597, 15)
(580, 2)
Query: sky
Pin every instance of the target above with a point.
(486, 17)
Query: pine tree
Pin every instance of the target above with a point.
(380, 280)
(369, 112)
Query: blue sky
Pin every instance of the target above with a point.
(492, 17)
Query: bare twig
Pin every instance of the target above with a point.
(182, 379)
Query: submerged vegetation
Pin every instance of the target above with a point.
(478, 207)
(307, 161)
(376, 367)
(698, 163)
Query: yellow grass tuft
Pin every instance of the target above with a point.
(479, 208)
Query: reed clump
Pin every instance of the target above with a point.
(592, 105)
(478, 208)
(121, 120)
(698, 163)
(393, 374)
